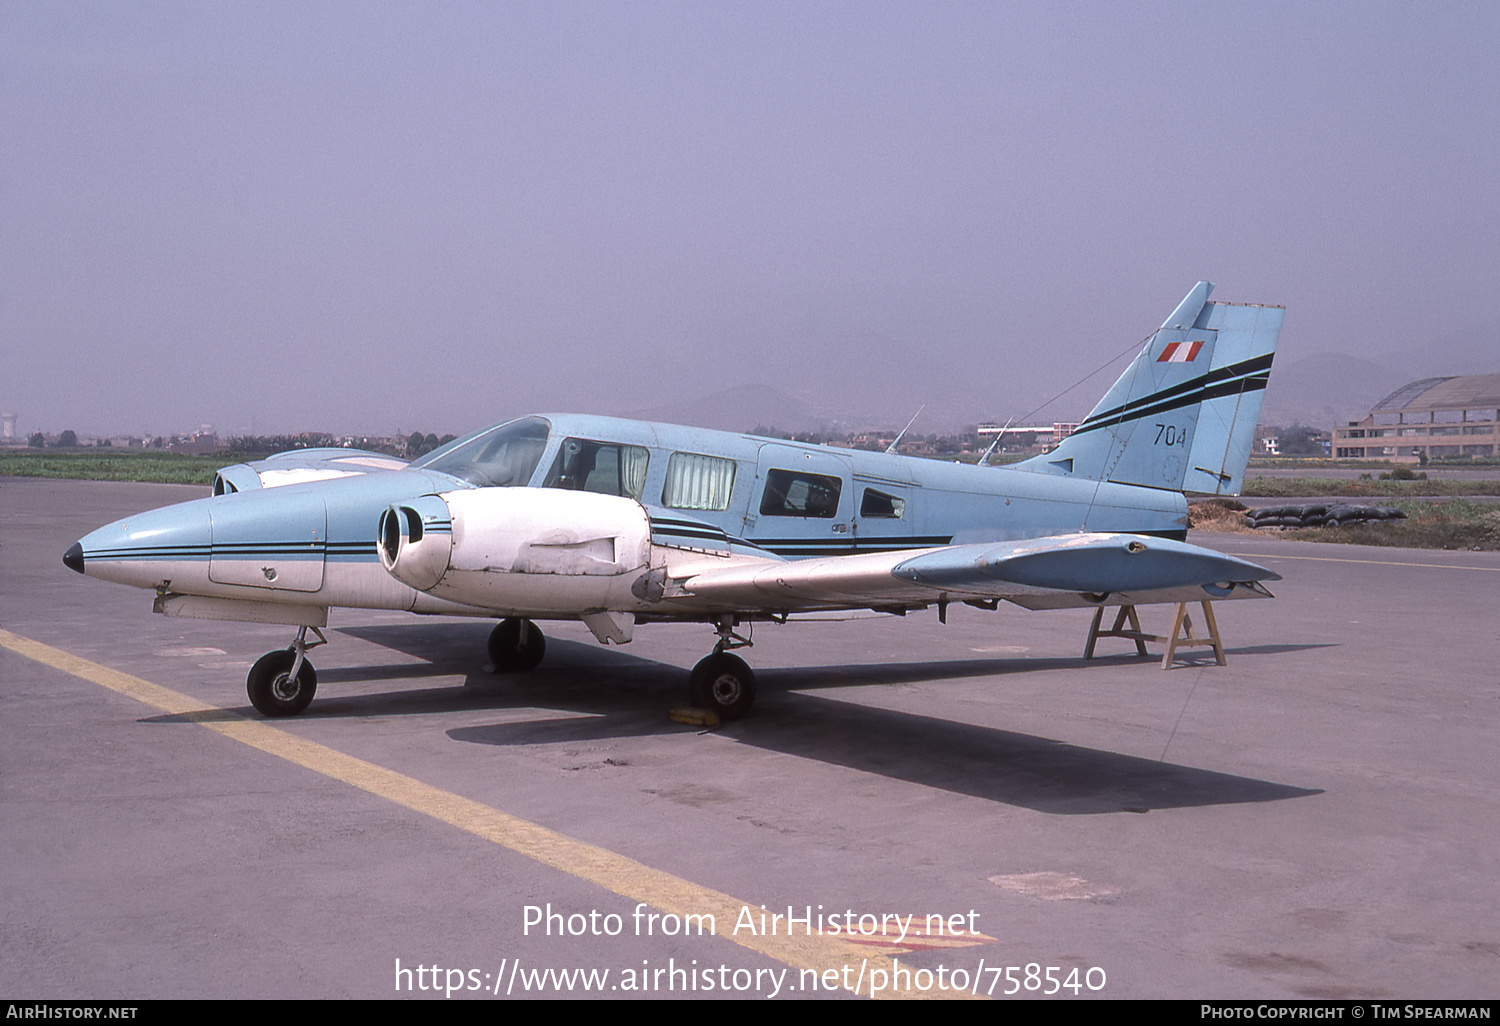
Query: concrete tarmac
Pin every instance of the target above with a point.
(1317, 819)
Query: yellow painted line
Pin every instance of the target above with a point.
(887, 937)
(1372, 562)
(617, 873)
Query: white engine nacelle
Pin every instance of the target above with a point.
(520, 551)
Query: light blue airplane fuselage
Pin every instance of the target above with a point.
(315, 543)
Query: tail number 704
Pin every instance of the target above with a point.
(1171, 434)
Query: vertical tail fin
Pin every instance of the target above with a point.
(1183, 415)
(1232, 395)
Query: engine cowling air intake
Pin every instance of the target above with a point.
(519, 550)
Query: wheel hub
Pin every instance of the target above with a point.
(285, 688)
(726, 689)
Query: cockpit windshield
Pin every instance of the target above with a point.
(495, 457)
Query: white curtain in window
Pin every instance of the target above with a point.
(633, 470)
(698, 482)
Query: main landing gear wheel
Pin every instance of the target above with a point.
(272, 688)
(723, 684)
(516, 646)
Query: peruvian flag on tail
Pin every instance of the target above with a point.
(1180, 352)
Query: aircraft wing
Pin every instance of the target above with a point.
(1061, 571)
(299, 466)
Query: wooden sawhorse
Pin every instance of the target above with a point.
(1182, 635)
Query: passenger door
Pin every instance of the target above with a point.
(802, 504)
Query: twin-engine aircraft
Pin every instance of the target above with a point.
(618, 522)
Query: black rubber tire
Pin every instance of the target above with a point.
(723, 684)
(516, 646)
(271, 689)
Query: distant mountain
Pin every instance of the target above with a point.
(1472, 351)
(745, 407)
(1328, 389)
(1321, 390)
(738, 409)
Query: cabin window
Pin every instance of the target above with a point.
(790, 493)
(603, 467)
(697, 482)
(497, 456)
(879, 504)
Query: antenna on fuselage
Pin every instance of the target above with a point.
(891, 449)
(996, 442)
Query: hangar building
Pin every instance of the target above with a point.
(1436, 417)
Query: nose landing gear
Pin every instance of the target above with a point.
(283, 682)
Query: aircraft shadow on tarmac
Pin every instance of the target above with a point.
(612, 694)
(606, 693)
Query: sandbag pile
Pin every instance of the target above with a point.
(1320, 514)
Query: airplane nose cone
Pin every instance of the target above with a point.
(144, 550)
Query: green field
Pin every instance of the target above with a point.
(165, 468)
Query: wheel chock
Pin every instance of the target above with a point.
(693, 717)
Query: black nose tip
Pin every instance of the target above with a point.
(73, 558)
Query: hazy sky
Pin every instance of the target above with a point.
(370, 217)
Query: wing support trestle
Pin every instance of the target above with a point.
(1182, 636)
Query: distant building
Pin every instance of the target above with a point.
(1025, 436)
(7, 426)
(1297, 440)
(1435, 418)
(201, 443)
